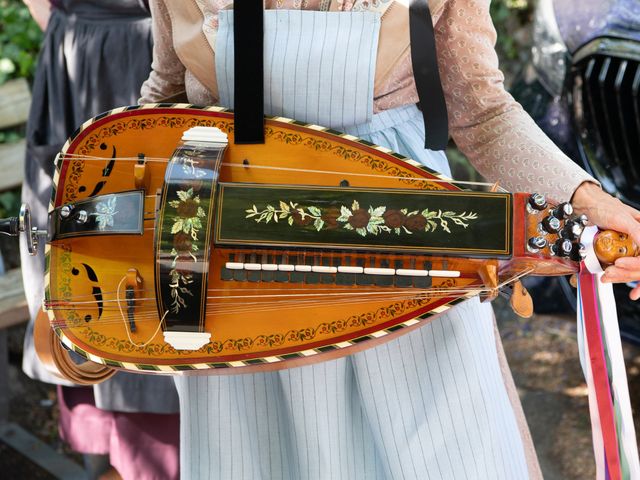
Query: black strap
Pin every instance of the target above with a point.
(425, 71)
(248, 38)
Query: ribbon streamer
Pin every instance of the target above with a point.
(613, 432)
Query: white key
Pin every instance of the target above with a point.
(303, 268)
(234, 265)
(324, 269)
(350, 269)
(407, 272)
(286, 268)
(444, 273)
(379, 271)
(252, 266)
(269, 267)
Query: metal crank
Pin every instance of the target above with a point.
(21, 225)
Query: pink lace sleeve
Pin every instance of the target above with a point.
(167, 72)
(487, 124)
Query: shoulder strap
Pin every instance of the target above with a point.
(248, 38)
(249, 89)
(425, 71)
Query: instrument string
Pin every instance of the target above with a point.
(218, 308)
(272, 301)
(73, 156)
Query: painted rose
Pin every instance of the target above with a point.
(415, 222)
(188, 208)
(330, 218)
(182, 242)
(298, 219)
(360, 218)
(394, 218)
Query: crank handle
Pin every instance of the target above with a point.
(14, 226)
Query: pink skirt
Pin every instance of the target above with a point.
(140, 445)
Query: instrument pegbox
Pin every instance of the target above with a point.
(133, 284)
(141, 173)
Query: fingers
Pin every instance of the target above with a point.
(617, 274)
(634, 294)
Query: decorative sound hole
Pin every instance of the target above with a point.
(96, 291)
(106, 172)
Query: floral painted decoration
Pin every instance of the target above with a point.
(360, 220)
(186, 226)
(104, 213)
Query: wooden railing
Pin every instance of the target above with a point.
(15, 99)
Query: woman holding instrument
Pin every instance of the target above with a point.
(437, 402)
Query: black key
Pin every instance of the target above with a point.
(267, 275)
(296, 277)
(240, 275)
(279, 276)
(225, 273)
(361, 278)
(344, 278)
(401, 280)
(384, 280)
(327, 278)
(253, 275)
(423, 282)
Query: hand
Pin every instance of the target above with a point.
(608, 212)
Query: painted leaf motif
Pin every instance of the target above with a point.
(377, 212)
(184, 196)
(315, 211)
(177, 226)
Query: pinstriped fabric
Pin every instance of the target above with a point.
(319, 66)
(428, 405)
(402, 130)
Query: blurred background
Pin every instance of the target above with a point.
(574, 65)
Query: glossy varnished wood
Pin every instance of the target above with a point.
(247, 333)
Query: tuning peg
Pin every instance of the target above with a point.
(571, 230)
(562, 211)
(583, 220)
(535, 244)
(562, 247)
(537, 202)
(578, 252)
(550, 224)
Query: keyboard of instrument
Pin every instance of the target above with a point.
(336, 269)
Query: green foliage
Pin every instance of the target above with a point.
(20, 39)
(9, 203)
(509, 18)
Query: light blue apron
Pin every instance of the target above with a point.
(429, 405)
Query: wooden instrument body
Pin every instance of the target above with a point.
(84, 274)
